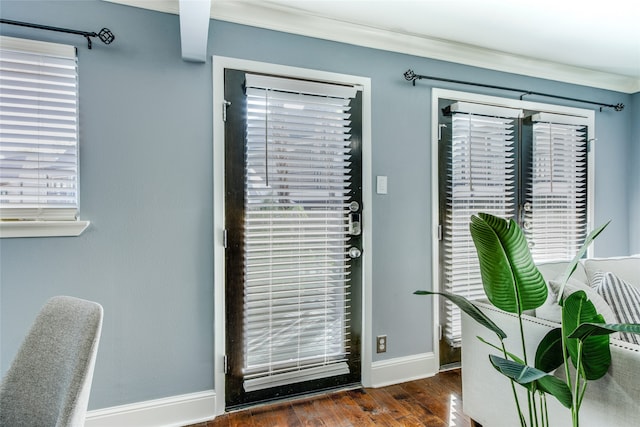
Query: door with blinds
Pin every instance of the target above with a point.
(516, 164)
(293, 209)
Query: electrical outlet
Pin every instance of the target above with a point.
(381, 344)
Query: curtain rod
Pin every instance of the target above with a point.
(412, 77)
(104, 34)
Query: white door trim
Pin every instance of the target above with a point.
(220, 63)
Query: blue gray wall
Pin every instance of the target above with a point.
(634, 176)
(146, 176)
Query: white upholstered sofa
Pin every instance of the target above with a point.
(613, 400)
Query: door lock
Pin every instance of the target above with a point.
(355, 228)
(354, 252)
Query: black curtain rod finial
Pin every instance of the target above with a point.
(106, 36)
(409, 75)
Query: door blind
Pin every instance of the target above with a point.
(480, 178)
(38, 130)
(297, 186)
(555, 214)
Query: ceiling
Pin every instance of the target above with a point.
(590, 42)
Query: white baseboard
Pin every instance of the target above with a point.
(168, 412)
(198, 407)
(403, 369)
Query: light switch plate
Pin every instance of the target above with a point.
(381, 184)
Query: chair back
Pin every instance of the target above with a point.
(49, 380)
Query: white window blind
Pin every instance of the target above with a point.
(555, 212)
(480, 178)
(296, 243)
(38, 131)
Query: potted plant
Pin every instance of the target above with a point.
(513, 283)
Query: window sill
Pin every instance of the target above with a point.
(12, 229)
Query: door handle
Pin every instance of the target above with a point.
(355, 228)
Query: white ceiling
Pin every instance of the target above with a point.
(591, 42)
(594, 34)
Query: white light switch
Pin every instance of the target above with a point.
(381, 185)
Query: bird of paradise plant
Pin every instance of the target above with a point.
(513, 283)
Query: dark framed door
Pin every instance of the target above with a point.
(293, 205)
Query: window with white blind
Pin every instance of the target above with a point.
(481, 177)
(296, 247)
(38, 137)
(516, 163)
(555, 208)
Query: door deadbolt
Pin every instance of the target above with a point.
(354, 252)
(355, 227)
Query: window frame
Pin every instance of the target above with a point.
(436, 95)
(15, 228)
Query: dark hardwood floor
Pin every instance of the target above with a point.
(432, 402)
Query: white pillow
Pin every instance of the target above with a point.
(551, 311)
(623, 298)
(626, 268)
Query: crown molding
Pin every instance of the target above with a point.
(166, 6)
(274, 17)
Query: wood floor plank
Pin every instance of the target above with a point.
(386, 400)
(413, 404)
(380, 415)
(351, 411)
(434, 403)
(239, 419)
(429, 402)
(308, 416)
(275, 416)
(320, 411)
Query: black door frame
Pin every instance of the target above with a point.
(235, 396)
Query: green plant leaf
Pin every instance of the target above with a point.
(468, 307)
(510, 278)
(511, 355)
(520, 373)
(596, 354)
(587, 330)
(557, 388)
(571, 267)
(549, 351)
(533, 378)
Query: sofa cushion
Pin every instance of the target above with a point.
(623, 298)
(551, 311)
(553, 270)
(626, 268)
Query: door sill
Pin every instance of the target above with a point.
(293, 398)
(450, 366)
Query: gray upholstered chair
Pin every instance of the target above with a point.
(49, 380)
